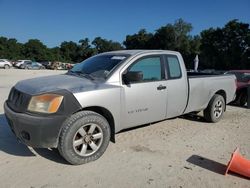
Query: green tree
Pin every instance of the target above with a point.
(34, 49)
(3, 44)
(85, 50)
(164, 38)
(174, 37)
(10, 48)
(140, 40)
(219, 48)
(54, 54)
(69, 51)
(227, 47)
(169, 37)
(104, 45)
(194, 49)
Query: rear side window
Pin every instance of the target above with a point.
(173, 67)
(150, 67)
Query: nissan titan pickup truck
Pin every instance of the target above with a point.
(80, 112)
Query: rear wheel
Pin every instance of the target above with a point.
(84, 137)
(215, 109)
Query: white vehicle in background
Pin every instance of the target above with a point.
(20, 62)
(4, 63)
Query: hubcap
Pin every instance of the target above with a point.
(218, 109)
(87, 139)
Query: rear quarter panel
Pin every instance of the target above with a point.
(202, 89)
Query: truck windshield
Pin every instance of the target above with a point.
(98, 66)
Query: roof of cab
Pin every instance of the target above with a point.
(135, 52)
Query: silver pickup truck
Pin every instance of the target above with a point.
(79, 112)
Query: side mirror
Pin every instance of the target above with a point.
(132, 76)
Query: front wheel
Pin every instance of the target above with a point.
(215, 109)
(84, 137)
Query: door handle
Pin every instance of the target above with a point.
(161, 87)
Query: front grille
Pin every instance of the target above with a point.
(18, 101)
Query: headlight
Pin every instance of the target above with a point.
(47, 103)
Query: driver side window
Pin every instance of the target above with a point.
(150, 68)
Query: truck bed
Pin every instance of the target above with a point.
(201, 74)
(202, 86)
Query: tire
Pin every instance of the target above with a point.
(215, 109)
(6, 66)
(243, 99)
(84, 137)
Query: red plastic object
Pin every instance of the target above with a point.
(239, 164)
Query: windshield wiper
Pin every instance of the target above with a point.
(80, 73)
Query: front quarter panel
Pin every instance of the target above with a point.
(107, 97)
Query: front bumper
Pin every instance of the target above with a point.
(35, 131)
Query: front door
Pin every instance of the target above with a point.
(145, 101)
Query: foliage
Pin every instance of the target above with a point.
(227, 47)
(141, 40)
(103, 45)
(10, 48)
(169, 37)
(219, 48)
(35, 50)
(68, 51)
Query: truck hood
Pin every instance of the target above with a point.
(71, 83)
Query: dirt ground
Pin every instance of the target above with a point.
(181, 152)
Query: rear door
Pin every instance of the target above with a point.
(177, 85)
(145, 101)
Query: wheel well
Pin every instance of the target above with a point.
(223, 94)
(106, 114)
